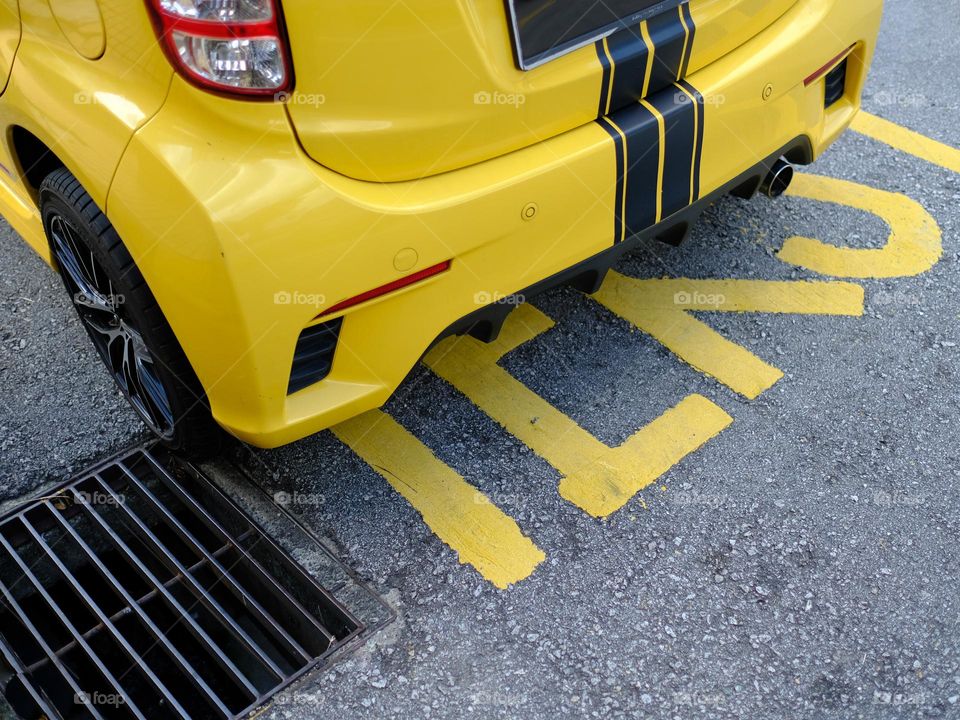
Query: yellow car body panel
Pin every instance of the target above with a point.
(84, 110)
(416, 113)
(9, 37)
(81, 23)
(245, 237)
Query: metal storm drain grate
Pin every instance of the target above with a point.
(130, 593)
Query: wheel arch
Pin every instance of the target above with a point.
(34, 159)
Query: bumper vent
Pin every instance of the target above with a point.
(835, 84)
(313, 356)
(130, 594)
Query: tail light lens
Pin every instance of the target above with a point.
(229, 46)
(230, 11)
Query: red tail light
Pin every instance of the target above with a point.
(236, 47)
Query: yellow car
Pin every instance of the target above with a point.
(266, 211)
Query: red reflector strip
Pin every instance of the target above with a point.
(828, 67)
(388, 288)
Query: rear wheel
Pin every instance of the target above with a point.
(122, 317)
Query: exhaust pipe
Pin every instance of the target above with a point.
(779, 179)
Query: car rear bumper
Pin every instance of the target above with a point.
(244, 240)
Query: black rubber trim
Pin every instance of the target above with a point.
(313, 356)
(835, 85)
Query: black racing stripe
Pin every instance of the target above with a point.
(630, 56)
(618, 225)
(605, 80)
(639, 176)
(678, 113)
(642, 164)
(629, 53)
(668, 36)
(691, 32)
(698, 146)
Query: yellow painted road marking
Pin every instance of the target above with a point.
(604, 483)
(459, 514)
(597, 478)
(661, 309)
(914, 245)
(907, 140)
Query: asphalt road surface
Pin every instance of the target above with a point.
(777, 537)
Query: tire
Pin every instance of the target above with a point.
(123, 320)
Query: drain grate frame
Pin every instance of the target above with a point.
(140, 589)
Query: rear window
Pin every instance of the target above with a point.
(544, 29)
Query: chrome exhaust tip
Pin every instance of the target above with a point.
(778, 180)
